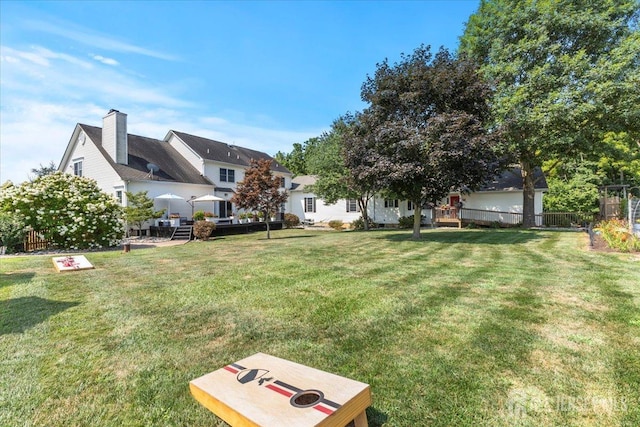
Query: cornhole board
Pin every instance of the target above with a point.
(264, 390)
(71, 263)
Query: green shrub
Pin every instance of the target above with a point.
(617, 235)
(291, 220)
(12, 232)
(405, 222)
(336, 224)
(203, 229)
(70, 211)
(198, 216)
(358, 224)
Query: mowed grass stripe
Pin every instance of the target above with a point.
(451, 330)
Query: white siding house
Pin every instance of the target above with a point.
(184, 165)
(504, 194)
(309, 208)
(190, 166)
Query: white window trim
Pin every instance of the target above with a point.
(78, 161)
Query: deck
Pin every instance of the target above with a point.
(222, 229)
(447, 217)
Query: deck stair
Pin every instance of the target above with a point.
(183, 232)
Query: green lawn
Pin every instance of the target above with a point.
(466, 327)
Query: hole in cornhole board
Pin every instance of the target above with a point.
(306, 398)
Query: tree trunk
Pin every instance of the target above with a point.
(528, 196)
(364, 204)
(266, 221)
(417, 216)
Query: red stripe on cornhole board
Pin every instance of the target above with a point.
(323, 409)
(230, 369)
(279, 390)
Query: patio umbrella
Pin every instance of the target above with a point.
(169, 197)
(208, 198)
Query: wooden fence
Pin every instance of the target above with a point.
(34, 242)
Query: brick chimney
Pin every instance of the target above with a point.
(114, 136)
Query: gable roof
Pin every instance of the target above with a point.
(141, 152)
(301, 181)
(210, 149)
(511, 180)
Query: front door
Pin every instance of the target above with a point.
(454, 202)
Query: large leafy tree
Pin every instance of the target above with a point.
(260, 190)
(423, 134)
(295, 160)
(573, 187)
(565, 73)
(328, 156)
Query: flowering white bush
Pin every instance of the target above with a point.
(70, 211)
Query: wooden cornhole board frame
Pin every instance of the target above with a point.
(71, 263)
(264, 390)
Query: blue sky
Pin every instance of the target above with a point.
(261, 74)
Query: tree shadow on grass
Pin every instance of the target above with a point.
(376, 417)
(304, 236)
(19, 314)
(486, 237)
(15, 279)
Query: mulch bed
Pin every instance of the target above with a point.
(600, 245)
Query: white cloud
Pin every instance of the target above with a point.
(41, 73)
(39, 56)
(89, 37)
(46, 92)
(107, 61)
(36, 132)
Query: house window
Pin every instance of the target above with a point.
(77, 167)
(391, 203)
(309, 204)
(409, 205)
(282, 182)
(352, 205)
(227, 175)
(119, 196)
